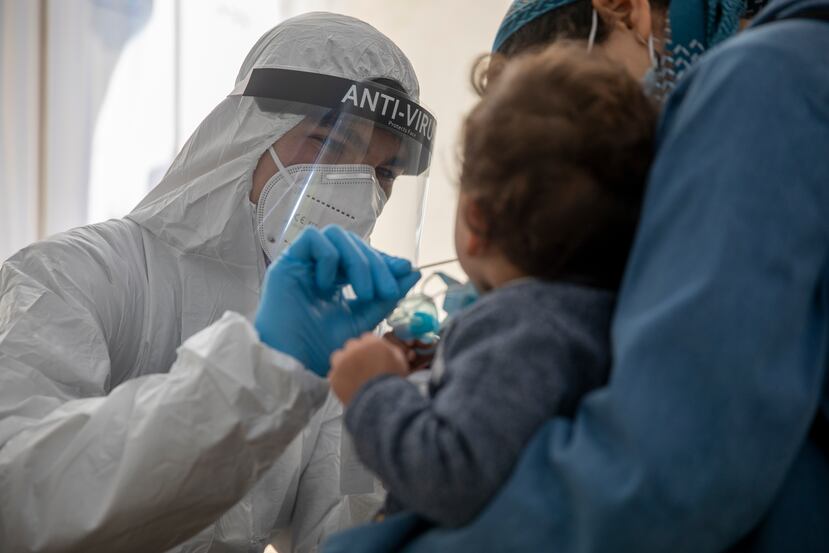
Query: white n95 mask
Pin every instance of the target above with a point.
(316, 195)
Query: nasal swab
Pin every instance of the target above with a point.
(430, 265)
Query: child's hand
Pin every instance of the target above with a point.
(418, 354)
(362, 359)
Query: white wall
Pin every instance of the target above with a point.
(19, 99)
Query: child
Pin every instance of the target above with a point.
(555, 159)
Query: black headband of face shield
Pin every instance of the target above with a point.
(383, 106)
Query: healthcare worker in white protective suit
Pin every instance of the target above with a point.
(111, 438)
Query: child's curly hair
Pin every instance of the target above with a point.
(556, 156)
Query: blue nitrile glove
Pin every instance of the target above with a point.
(302, 311)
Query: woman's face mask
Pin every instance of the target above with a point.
(316, 195)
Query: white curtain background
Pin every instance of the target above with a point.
(125, 82)
(19, 121)
(85, 41)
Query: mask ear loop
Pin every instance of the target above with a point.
(652, 52)
(651, 48)
(594, 28)
(282, 170)
(279, 165)
(591, 40)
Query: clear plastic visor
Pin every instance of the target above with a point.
(358, 157)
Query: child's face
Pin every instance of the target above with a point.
(467, 243)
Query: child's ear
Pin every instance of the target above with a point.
(476, 223)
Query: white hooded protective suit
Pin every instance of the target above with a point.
(137, 407)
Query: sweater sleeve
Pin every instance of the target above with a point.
(507, 371)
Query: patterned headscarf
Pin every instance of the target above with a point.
(522, 12)
(693, 26)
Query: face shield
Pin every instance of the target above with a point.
(358, 157)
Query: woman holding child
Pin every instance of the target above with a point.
(711, 433)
